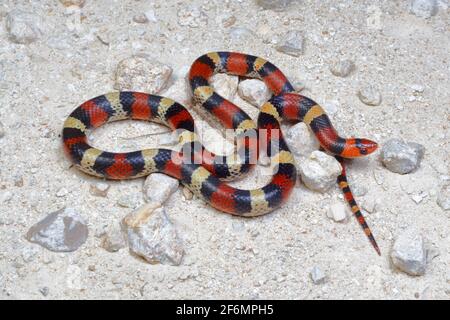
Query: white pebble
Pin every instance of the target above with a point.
(443, 199)
(301, 140)
(342, 68)
(254, 91)
(409, 253)
(225, 85)
(319, 171)
(99, 189)
(317, 275)
(338, 211)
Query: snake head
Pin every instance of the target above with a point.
(355, 148)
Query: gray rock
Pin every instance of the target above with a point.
(152, 236)
(317, 275)
(443, 199)
(23, 27)
(276, 5)
(319, 171)
(409, 254)
(158, 187)
(369, 95)
(139, 73)
(400, 156)
(61, 231)
(424, 8)
(2, 130)
(254, 91)
(342, 68)
(44, 291)
(292, 44)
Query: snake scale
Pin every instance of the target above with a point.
(203, 172)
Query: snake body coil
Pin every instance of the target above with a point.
(206, 176)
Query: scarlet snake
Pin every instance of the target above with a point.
(205, 178)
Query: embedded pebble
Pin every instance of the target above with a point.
(99, 189)
(62, 192)
(400, 156)
(241, 33)
(319, 171)
(23, 27)
(409, 254)
(370, 205)
(61, 231)
(317, 275)
(129, 201)
(69, 3)
(301, 140)
(370, 95)
(113, 240)
(424, 8)
(44, 291)
(152, 236)
(192, 16)
(138, 73)
(443, 199)
(418, 88)
(292, 43)
(158, 187)
(140, 18)
(254, 91)
(225, 85)
(342, 68)
(277, 5)
(338, 211)
(227, 20)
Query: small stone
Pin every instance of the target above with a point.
(370, 205)
(113, 240)
(319, 171)
(370, 95)
(293, 43)
(317, 275)
(61, 231)
(140, 18)
(298, 85)
(44, 291)
(342, 68)
(225, 85)
(417, 198)
(62, 192)
(69, 3)
(443, 199)
(192, 17)
(152, 236)
(400, 156)
(99, 189)
(6, 196)
(23, 27)
(301, 140)
(276, 5)
(254, 91)
(151, 16)
(138, 73)
(228, 20)
(424, 8)
(158, 187)
(337, 211)
(409, 254)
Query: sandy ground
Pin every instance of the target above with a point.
(226, 257)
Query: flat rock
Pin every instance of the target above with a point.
(61, 231)
(152, 236)
(292, 43)
(400, 156)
